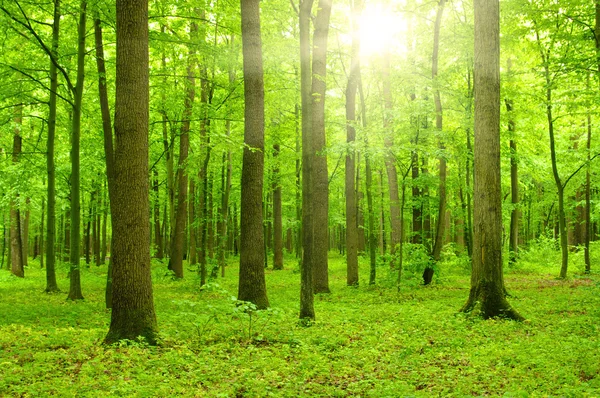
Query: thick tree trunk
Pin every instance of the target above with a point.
(350, 188)
(132, 301)
(320, 177)
(252, 286)
(75, 244)
(487, 294)
(441, 218)
(307, 311)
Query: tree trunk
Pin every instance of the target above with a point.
(320, 177)
(513, 242)
(193, 258)
(441, 219)
(487, 294)
(25, 232)
(562, 220)
(132, 301)
(51, 285)
(177, 242)
(307, 311)
(252, 286)
(16, 239)
(390, 161)
(158, 238)
(75, 244)
(225, 187)
(277, 213)
(350, 188)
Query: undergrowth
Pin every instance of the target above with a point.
(369, 341)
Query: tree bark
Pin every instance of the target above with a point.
(132, 300)
(390, 161)
(177, 253)
(513, 242)
(350, 188)
(75, 239)
(252, 286)
(441, 219)
(320, 177)
(487, 294)
(277, 213)
(16, 239)
(307, 311)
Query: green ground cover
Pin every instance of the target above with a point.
(366, 341)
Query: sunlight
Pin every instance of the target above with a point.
(380, 27)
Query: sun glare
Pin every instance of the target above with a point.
(380, 28)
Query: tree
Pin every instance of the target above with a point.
(350, 189)
(132, 301)
(487, 294)
(75, 231)
(177, 241)
(307, 311)
(16, 239)
(252, 286)
(441, 219)
(320, 177)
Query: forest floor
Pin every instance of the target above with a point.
(369, 341)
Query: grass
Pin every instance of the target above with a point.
(366, 341)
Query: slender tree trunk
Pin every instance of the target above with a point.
(193, 258)
(441, 219)
(487, 294)
(562, 221)
(320, 177)
(41, 240)
(390, 161)
(513, 242)
(277, 213)
(132, 300)
(158, 237)
(75, 244)
(109, 154)
(177, 242)
(298, 229)
(16, 239)
(587, 215)
(25, 232)
(225, 187)
(307, 311)
(252, 286)
(350, 188)
(88, 231)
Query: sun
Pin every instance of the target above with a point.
(381, 28)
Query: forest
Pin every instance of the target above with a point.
(299, 198)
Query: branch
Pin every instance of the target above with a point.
(41, 84)
(40, 42)
(579, 169)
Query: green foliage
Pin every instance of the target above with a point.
(366, 341)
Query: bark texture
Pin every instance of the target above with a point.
(307, 311)
(75, 238)
(132, 300)
(320, 178)
(487, 294)
(252, 286)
